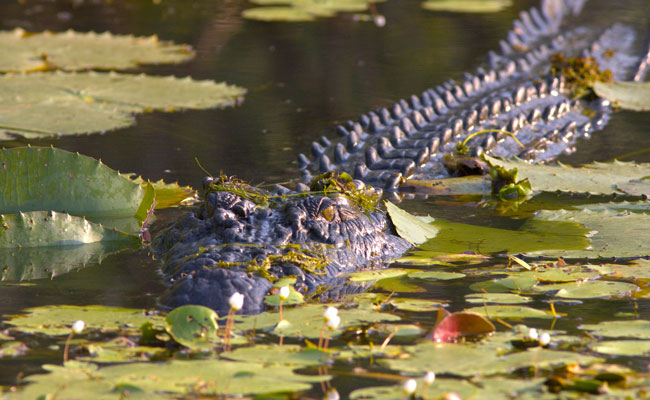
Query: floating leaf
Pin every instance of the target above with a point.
(638, 329)
(76, 51)
(178, 378)
(467, 6)
(417, 305)
(533, 234)
(269, 355)
(57, 320)
(410, 227)
(400, 284)
(193, 326)
(510, 312)
(49, 228)
(595, 178)
(622, 347)
(469, 360)
(167, 194)
(436, 275)
(45, 178)
(440, 258)
(120, 349)
(301, 10)
(640, 269)
(376, 274)
(589, 289)
(499, 298)
(13, 349)
(460, 324)
(510, 284)
(307, 320)
(628, 95)
(440, 388)
(51, 104)
(615, 234)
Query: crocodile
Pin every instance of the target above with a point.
(232, 242)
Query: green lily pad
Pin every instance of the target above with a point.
(202, 378)
(534, 234)
(505, 285)
(80, 51)
(614, 234)
(195, 327)
(307, 320)
(417, 305)
(640, 269)
(295, 297)
(467, 6)
(120, 349)
(422, 257)
(51, 104)
(436, 275)
(589, 289)
(470, 360)
(637, 329)
(13, 349)
(301, 10)
(400, 284)
(49, 228)
(622, 347)
(499, 298)
(377, 274)
(411, 228)
(595, 178)
(628, 95)
(437, 390)
(270, 355)
(45, 178)
(510, 312)
(57, 320)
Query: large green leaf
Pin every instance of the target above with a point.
(414, 229)
(629, 95)
(595, 178)
(49, 228)
(45, 178)
(71, 50)
(193, 326)
(50, 104)
(466, 6)
(613, 233)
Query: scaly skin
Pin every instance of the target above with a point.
(217, 250)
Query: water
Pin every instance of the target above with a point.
(302, 80)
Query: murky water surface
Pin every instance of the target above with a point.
(302, 80)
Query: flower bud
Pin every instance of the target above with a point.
(544, 339)
(78, 326)
(334, 322)
(284, 293)
(429, 377)
(330, 312)
(532, 334)
(236, 301)
(410, 386)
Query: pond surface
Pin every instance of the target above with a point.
(302, 80)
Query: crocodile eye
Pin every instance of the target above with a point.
(328, 213)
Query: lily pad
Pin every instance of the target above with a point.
(270, 355)
(192, 326)
(13, 349)
(637, 329)
(510, 312)
(628, 95)
(79, 51)
(640, 269)
(417, 305)
(438, 390)
(307, 320)
(441, 258)
(460, 324)
(51, 104)
(470, 360)
(57, 320)
(301, 10)
(411, 228)
(622, 347)
(589, 289)
(499, 298)
(45, 178)
(120, 349)
(167, 194)
(376, 274)
(203, 378)
(614, 233)
(467, 6)
(436, 275)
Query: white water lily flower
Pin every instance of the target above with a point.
(410, 386)
(333, 322)
(532, 334)
(284, 293)
(544, 339)
(452, 396)
(331, 394)
(236, 301)
(330, 312)
(429, 377)
(78, 326)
